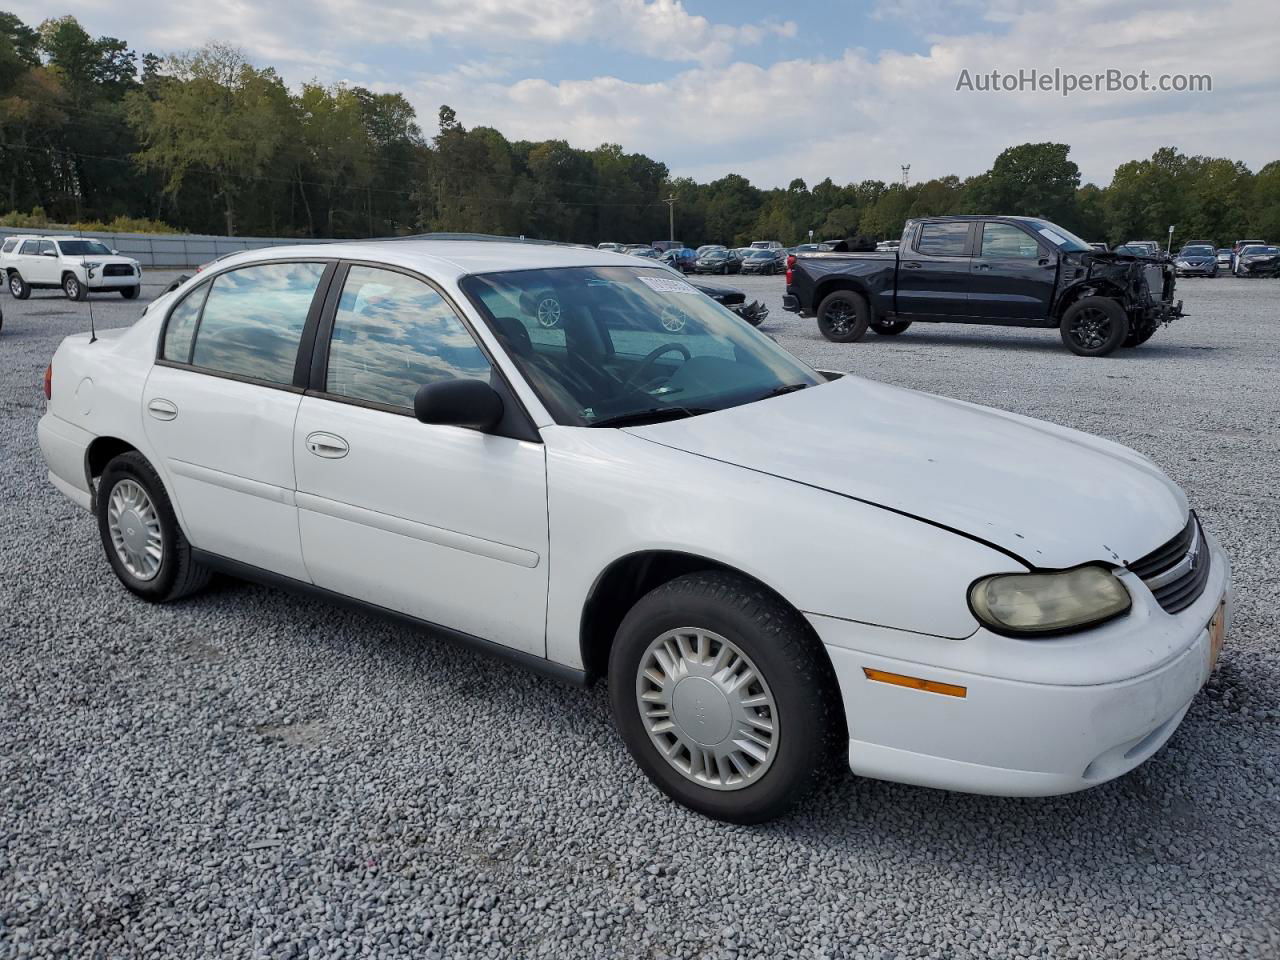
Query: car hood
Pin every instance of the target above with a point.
(1051, 496)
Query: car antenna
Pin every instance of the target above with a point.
(93, 333)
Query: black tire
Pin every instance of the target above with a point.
(1094, 327)
(73, 288)
(890, 328)
(843, 316)
(20, 289)
(777, 640)
(179, 574)
(130, 293)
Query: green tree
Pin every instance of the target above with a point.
(1032, 179)
(222, 120)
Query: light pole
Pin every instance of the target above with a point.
(671, 209)
(1169, 246)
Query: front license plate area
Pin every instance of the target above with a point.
(1217, 634)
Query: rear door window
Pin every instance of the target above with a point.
(253, 319)
(946, 239)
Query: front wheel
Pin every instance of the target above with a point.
(130, 293)
(890, 328)
(1094, 327)
(73, 288)
(20, 289)
(843, 316)
(724, 697)
(140, 534)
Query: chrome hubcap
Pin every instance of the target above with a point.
(134, 526)
(707, 709)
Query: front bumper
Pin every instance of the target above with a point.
(1196, 270)
(96, 281)
(1020, 737)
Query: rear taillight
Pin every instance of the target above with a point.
(48, 382)
(791, 263)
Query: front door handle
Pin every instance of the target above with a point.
(982, 266)
(162, 409)
(911, 265)
(327, 445)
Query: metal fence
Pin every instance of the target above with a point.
(166, 251)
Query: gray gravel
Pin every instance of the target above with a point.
(251, 774)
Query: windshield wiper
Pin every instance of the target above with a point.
(785, 388)
(652, 415)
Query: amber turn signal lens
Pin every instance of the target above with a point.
(915, 683)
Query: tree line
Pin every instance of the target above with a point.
(206, 141)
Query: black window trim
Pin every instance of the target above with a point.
(519, 426)
(298, 384)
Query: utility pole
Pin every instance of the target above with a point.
(671, 209)
(906, 174)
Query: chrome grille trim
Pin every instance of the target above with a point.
(1176, 572)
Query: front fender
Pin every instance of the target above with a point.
(611, 494)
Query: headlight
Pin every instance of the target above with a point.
(1043, 603)
(93, 264)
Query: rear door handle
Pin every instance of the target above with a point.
(911, 265)
(162, 409)
(982, 266)
(327, 445)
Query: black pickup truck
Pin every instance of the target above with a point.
(1007, 271)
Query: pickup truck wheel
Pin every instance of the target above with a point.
(20, 289)
(890, 328)
(140, 534)
(724, 697)
(843, 316)
(1094, 327)
(73, 288)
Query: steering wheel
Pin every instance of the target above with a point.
(637, 374)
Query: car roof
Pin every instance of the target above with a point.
(443, 258)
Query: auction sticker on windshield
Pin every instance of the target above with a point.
(1056, 239)
(668, 285)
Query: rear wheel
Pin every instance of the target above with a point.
(890, 328)
(843, 316)
(18, 287)
(73, 288)
(1094, 327)
(130, 293)
(140, 534)
(724, 697)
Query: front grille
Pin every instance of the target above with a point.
(1177, 571)
(117, 270)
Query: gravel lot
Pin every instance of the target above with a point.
(252, 774)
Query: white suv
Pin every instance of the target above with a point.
(79, 266)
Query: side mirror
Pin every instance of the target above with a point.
(459, 403)
(115, 253)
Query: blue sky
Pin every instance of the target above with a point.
(849, 89)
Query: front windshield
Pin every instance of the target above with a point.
(83, 248)
(629, 344)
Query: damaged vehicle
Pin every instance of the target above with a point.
(1259, 260)
(1000, 271)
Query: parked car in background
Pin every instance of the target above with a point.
(767, 262)
(1005, 271)
(1258, 260)
(708, 247)
(662, 246)
(766, 244)
(1224, 257)
(681, 258)
(1142, 248)
(717, 261)
(744, 252)
(607, 245)
(811, 248)
(78, 266)
(647, 253)
(697, 515)
(1238, 246)
(887, 246)
(1196, 260)
(1101, 247)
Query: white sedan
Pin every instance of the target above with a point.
(767, 563)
